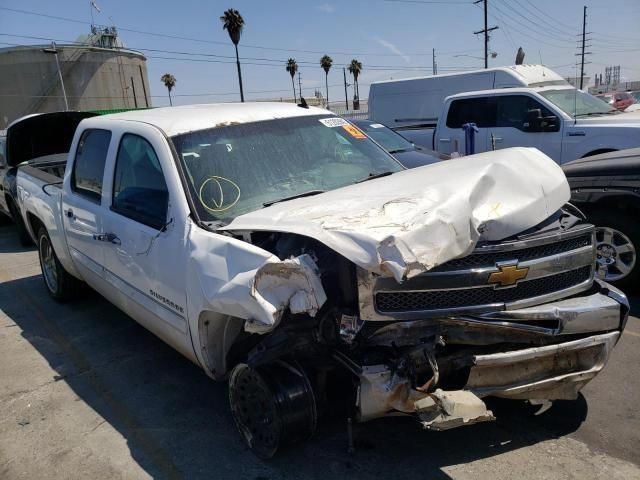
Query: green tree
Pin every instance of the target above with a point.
(233, 23)
(325, 62)
(169, 82)
(292, 68)
(355, 68)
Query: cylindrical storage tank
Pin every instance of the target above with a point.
(95, 78)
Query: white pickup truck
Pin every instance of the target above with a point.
(562, 122)
(278, 247)
(517, 106)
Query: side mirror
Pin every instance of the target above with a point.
(535, 122)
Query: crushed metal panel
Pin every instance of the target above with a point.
(407, 223)
(551, 372)
(232, 277)
(443, 410)
(293, 283)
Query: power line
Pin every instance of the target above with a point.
(536, 38)
(550, 18)
(428, 2)
(519, 26)
(541, 18)
(562, 37)
(210, 57)
(226, 44)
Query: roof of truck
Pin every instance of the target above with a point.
(188, 118)
(532, 75)
(509, 91)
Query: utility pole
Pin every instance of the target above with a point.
(434, 64)
(300, 85)
(346, 97)
(583, 47)
(584, 33)
(54, 51)
(486, 31)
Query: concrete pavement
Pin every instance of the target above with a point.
(87, 393)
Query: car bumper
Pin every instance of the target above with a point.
(586, 329)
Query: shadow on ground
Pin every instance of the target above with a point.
(12, 246)
(177, 422)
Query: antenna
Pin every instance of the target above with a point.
(540, 55)
(575, 98)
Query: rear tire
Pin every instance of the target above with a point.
(61, 285)
(617, 246)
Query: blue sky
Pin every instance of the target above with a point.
(392, 39)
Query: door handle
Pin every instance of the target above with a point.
(107, 237)
(445, 140)
(70, 213)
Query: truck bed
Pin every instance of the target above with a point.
(49, 169)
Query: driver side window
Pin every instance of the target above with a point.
(512, 110)
(139, 188)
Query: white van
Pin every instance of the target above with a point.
(416, 103)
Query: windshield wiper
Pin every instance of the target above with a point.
(401, 150)
(594, 114)
(292, 197)
(375, 175)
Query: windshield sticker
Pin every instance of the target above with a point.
(355, 132)
(376, 125)
(333, 122)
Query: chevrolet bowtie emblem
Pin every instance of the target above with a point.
(508, 275)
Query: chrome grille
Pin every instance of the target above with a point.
(557, 264)
(473, 297)
(476, 260)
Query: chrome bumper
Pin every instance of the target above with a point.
(556, 370)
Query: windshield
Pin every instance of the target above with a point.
(237, 169)
(390, 140)
(577, 103)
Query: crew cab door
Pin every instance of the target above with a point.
(145, 255)
(449, 136)
(82, 205)
(522, 121)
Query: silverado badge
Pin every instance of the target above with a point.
(508, 275)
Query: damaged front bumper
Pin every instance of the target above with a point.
(539, 353)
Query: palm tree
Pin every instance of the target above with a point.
(292, 68)
(325, 62)
(233, 23)
(355, 68)
(169, 82)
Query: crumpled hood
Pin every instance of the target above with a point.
(414, 220)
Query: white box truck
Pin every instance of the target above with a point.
(416, 103)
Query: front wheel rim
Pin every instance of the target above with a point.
(48, 263)
(615, 254)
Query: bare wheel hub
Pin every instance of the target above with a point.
(272, 405)
(615, 254)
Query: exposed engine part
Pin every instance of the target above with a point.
(350, 325)
(272, 405)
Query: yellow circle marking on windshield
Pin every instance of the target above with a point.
(219, 204)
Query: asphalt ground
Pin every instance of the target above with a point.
(85, 392)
